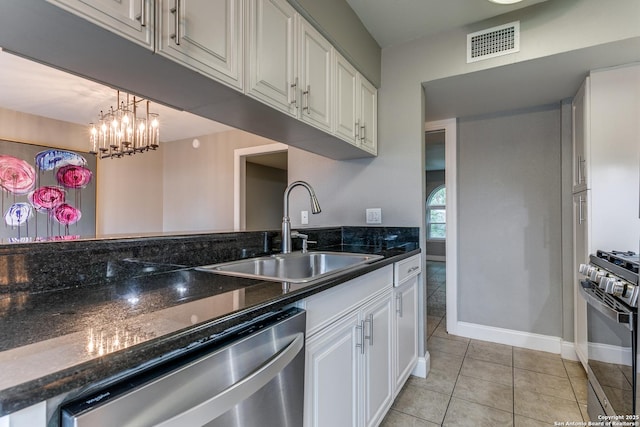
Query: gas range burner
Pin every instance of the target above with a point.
(626, 260)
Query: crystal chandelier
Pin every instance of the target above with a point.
(125, 130)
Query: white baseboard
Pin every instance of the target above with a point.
(516, 338)
(609, 353)
(435, 258)
(423, 366)
(568, 351)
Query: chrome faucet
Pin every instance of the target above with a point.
(286, 223)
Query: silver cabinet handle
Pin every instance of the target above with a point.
(581, 166)
(362, 337)
(293, 90)
(580, 210)
(370, 336)
(399, 309)
(363, 134)
(236, 393)
(306, 94)
(412, 269)
(579, 169)
(176, 14)
(143, 13)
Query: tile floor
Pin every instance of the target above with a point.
(478, 383)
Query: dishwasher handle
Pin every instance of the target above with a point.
(236, 393)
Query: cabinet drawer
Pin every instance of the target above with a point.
(328, 306)
(406, 269)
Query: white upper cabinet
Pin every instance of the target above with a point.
(132, 19)
(581, 134)
(271, 60)
(355, 106)
(205, 35)
(346, 84)
(262, 48)
(368, 114)
(315, 66)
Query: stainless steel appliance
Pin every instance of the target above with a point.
(611, 290)
(250, 376)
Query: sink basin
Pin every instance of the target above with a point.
(296, 267)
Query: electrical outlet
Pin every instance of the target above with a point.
(374, 216)
(304, 217)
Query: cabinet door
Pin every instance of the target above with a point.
(377, 370)
(368, 114)
(205, 35)
(406, 331)
(132, 19)
(580, 116)
(580, 256)
(331, 384)
(272, 54)
(345, 98)
(315, 66)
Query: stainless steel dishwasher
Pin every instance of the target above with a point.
(252, 377)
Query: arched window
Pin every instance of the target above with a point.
(437, 214)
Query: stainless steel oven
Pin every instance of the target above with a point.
(610, 287)
(253, 376)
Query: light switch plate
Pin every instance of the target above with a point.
(304, 217)
(374, 216)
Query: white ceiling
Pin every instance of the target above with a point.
(392, 22)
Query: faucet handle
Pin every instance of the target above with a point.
(304, 237)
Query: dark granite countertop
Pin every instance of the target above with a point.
(56, 343)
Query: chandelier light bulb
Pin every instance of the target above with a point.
(123, 131)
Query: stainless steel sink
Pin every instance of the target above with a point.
(296, 267)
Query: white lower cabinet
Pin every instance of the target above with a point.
(361, 346)
(405, 320)
(349, 376)
(405, 328)
(376, 360)
(32, 416)
(332, 375)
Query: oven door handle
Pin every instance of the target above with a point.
(624, 318)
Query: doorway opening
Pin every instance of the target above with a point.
(441, 225)
(260, 178)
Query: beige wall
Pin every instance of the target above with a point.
(21, 127)
(130, 194)
(198, 183)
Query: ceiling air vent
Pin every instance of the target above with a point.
(493, 42)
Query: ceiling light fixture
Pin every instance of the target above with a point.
(124, 130)
(505, 1)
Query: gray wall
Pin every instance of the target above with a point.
(264, 189)
(434, 179)
(509, 221)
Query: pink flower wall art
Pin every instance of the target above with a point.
(16, 175)
(43, 201)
